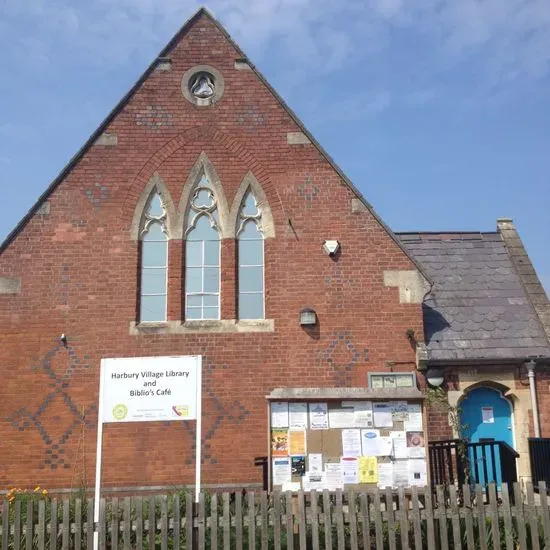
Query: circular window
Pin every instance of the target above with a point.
(202, 85)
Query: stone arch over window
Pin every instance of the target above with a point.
(153, 252)
(250, 185)
(202, 171)
(155, 184)
(202, 251)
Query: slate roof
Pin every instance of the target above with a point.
(478, 308)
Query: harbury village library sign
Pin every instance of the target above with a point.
(149, 389)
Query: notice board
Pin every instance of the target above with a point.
(354, 443)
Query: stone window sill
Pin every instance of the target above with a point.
(224, 326)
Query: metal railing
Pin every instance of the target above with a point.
(455, 462)
(539, 454)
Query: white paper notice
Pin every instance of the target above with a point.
(385, 446)
(281, 471)
(382, 413)
(318, 416)
(418, 472)
(400, 411)
(314, 481)
(400, 449)
(297, 415)
(401, 473)
(315, 462)
(417, 452)
(279, 415)
(341, 418)
(333, 473)
(414, 422)
(370, 441)
(351, 442)
(487, 415)
(385, 475)
(362, 414)
(350, 469)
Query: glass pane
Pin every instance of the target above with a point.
(155, 206)
(154, 253)
(193, 313)
(153, 281)
(204, 182)
(193, 253)
(389, 381)
(153, 308)
(203, 199)
(404, 381)
(212, 253)
(210, 300)
(251, 252)
(203, 230)
(210, 313)
(154, 233)
(194, 301)
(250, 231)
(251, 278)
(377, 382)
(251, 306)
(193, 279)
(249, 205)
(211, 279)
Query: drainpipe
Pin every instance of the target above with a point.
(532, 386)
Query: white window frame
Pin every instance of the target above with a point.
(165, 294)
(394, 375)
(262, 265)
(203, 293)
(149, 220)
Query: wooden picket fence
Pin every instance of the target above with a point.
(474, 518)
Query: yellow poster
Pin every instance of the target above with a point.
(297, 442)
(368, 469)
(279, 443)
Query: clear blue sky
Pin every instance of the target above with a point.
(438, 110)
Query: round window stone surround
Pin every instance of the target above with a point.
(214, 78)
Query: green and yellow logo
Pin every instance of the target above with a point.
(120, 411)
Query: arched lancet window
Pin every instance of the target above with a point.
(251, 260)
(202, 255)
(154, 261)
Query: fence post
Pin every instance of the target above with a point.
(5, 524)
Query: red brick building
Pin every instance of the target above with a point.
(193, 222)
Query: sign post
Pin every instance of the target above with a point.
(148, 389)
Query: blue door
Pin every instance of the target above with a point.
(486, 414)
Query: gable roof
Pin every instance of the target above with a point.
(201, 12)
(478, 308)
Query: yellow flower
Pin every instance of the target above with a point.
(37, 488)
(44, 492)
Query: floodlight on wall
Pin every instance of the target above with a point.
(308, 317)
(331, 247)
(435, 377)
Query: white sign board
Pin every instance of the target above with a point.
(146, 389)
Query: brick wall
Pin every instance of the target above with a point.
(78, 267)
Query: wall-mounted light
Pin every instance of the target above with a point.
(331, 247)
(435, 377)
(308, 317)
